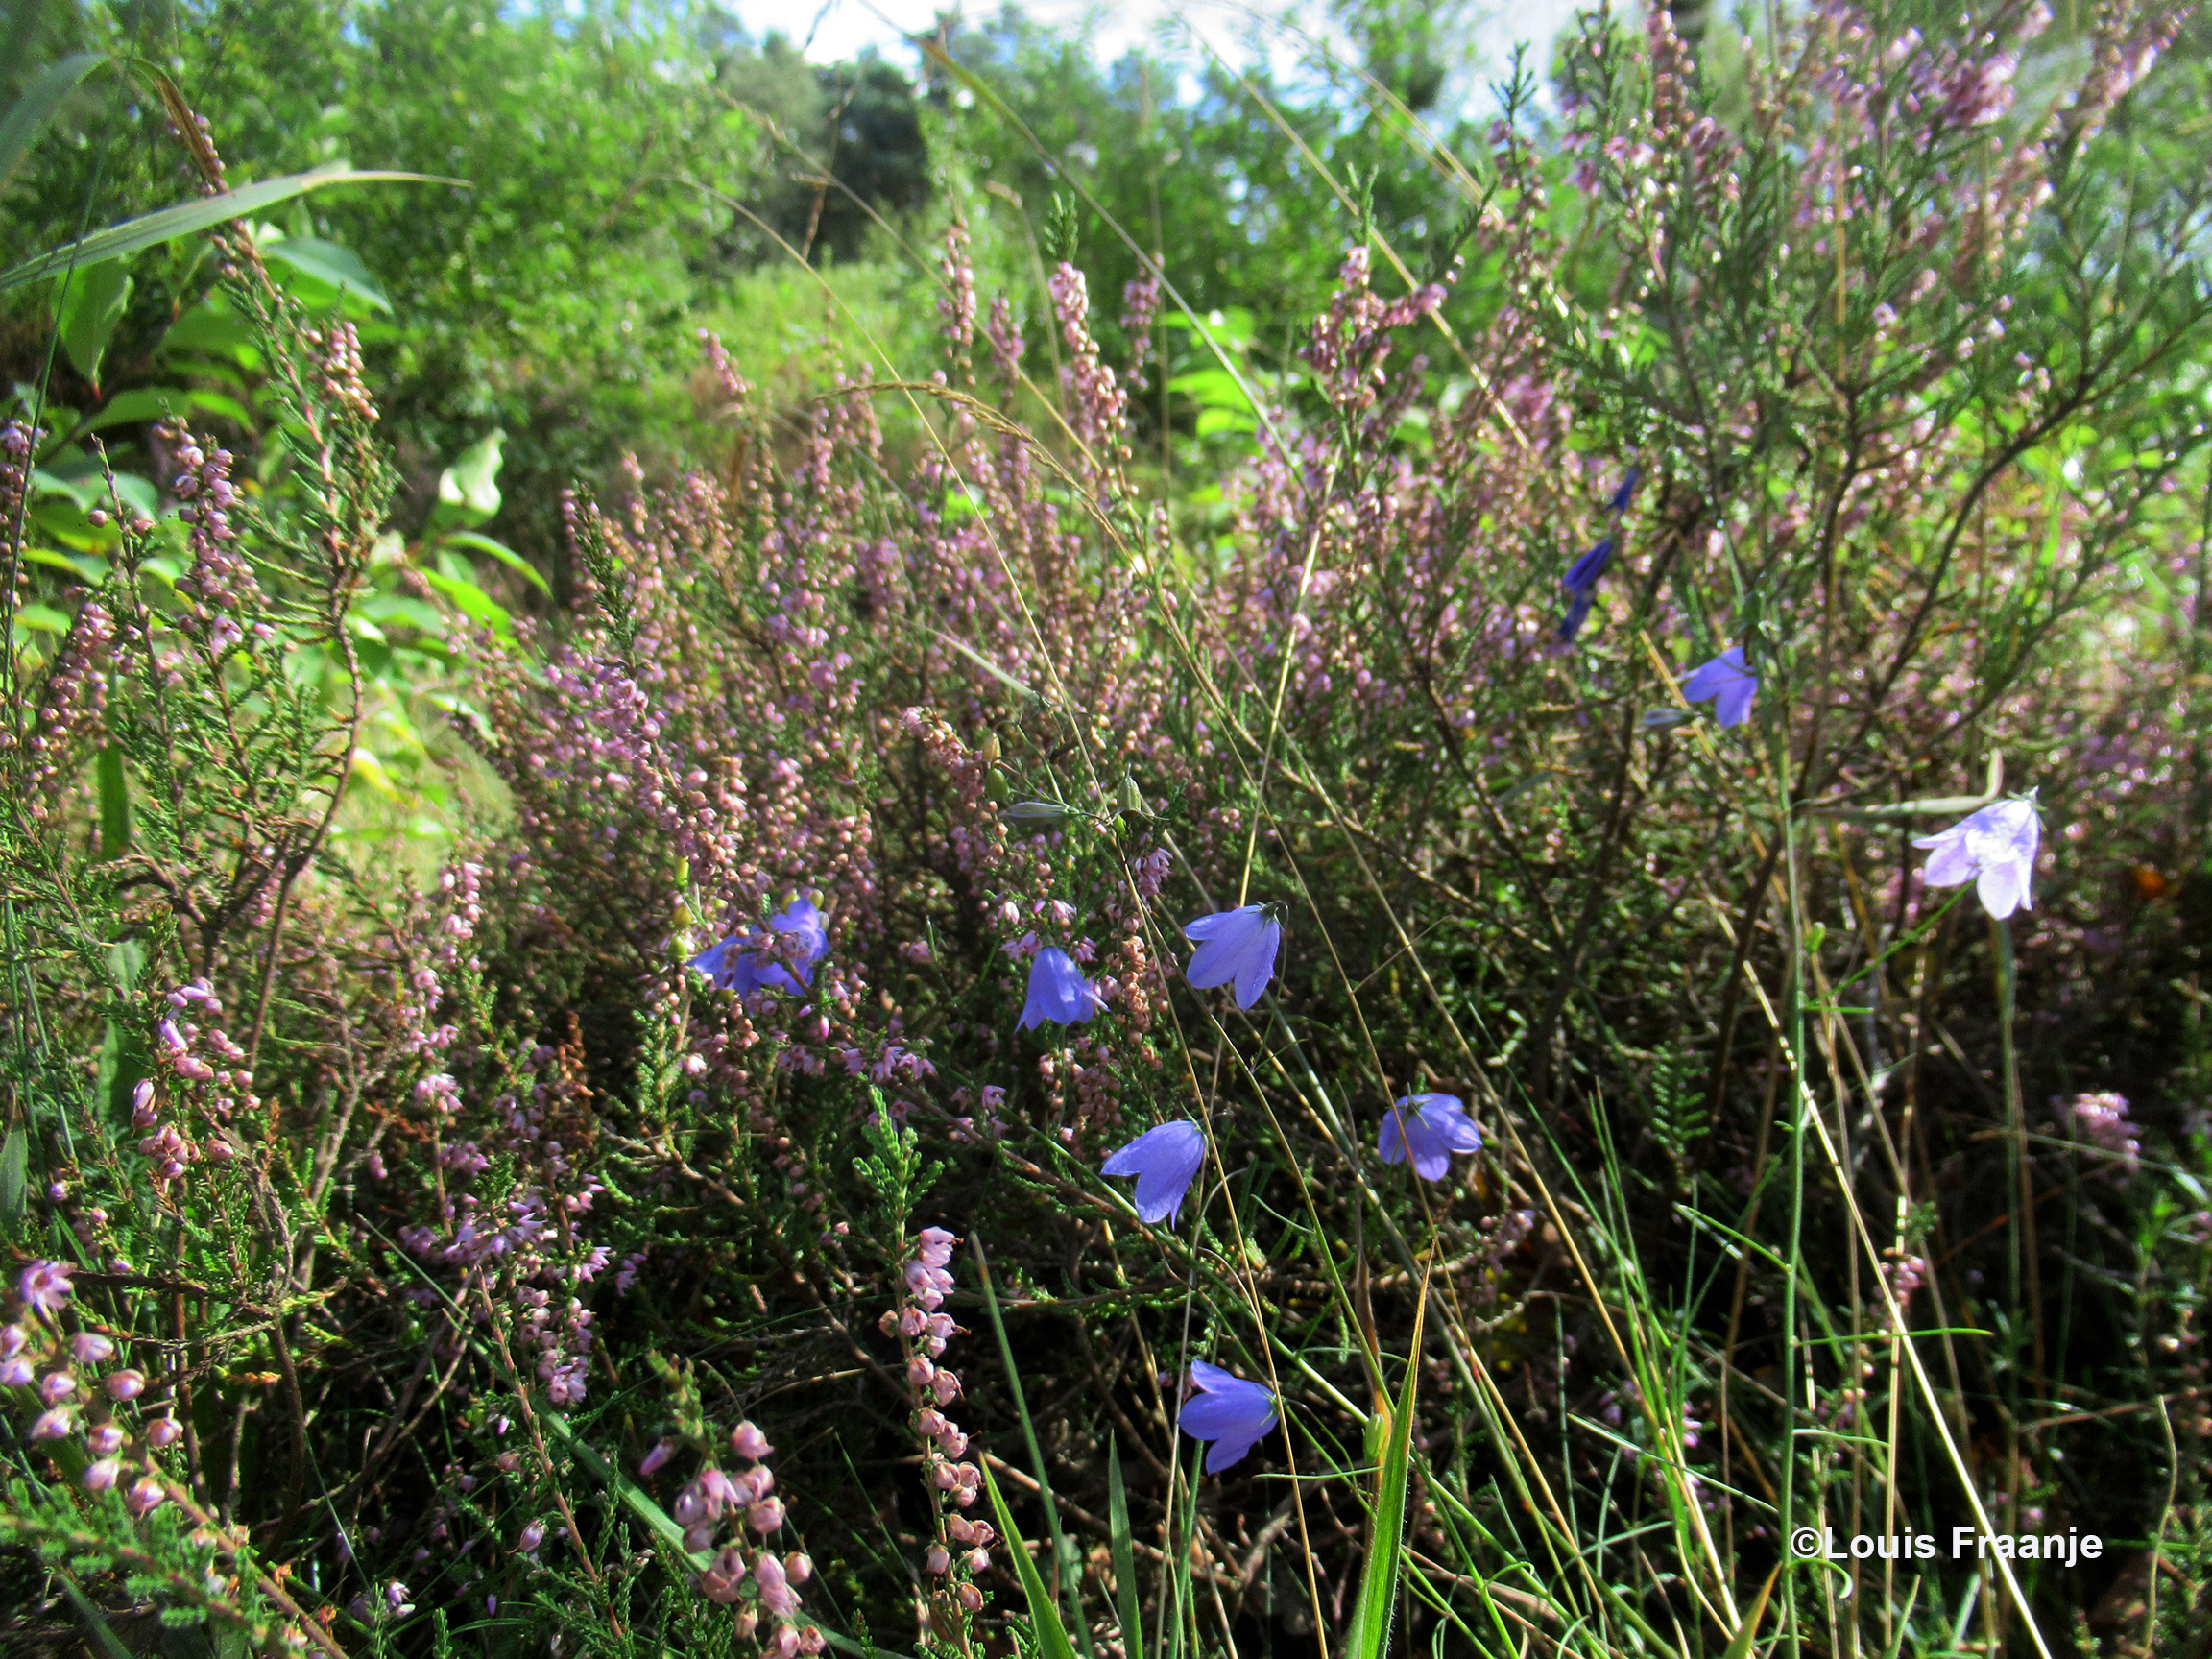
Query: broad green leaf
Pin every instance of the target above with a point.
(43, 617)
(1213, 388)
(1215, 420)
(1044, 1616)
(87, 568)
(328, 262)
(14, 1166)
(506, 556)
(138, 405)
(217, 403)
(1369, 1637)
(472, 484)
(474, 603)
(91, 301)
(114, 805)
(205, 328)
(188, 218)
(23, 123)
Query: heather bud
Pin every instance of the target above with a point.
(126, 1384)
(91, 1347)
(746, 1441)
(100, 1476)
(164, 1432)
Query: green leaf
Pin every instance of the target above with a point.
(219, 404)
(506, 556)
(1124, 1551)
(138, 405)
(15, 1168)
(1369, 1637)
(474, 603)
(328, 262)
(88, 569)
(1214, 389)
(90, 303)
(43, 617)
(205, 328)
(187, 218)
(114, 805)
(1044, 1616)
(32, 111)
(1748, 1631)
(471, 486)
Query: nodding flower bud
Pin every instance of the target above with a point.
(978, 1560)
(776, 1594)
(765, 1516)
(106, 1439)
(654, 1458)
(532, 1536)
(164, 1432)
(746, 1441)
(797, 1569)
(89, 1347)
(51, 1425)
(100, 1476)
(145, 1496)
(919, 1371)
(937, 1560)
(125, 1384)
(961, 1529)
(700, 1535)
(56, 1386)
(971, 1597)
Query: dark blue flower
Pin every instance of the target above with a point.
(1227, 1410)
(733, 967)
(1625, 493)
(1577, 613)
(1058, 991)
(1583, 573)
(1429, 1128)
(1239, 944)
(1166, 1161)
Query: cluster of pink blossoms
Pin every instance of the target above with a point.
(924, 1328)
(748, 1578)
(36, 1353)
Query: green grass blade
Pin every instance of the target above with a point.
(1741, 1647)
(1124, 1553)
(1043, 1615)
(19, 130)
(187, 217)
(1369, 1637)
(1069, 1564)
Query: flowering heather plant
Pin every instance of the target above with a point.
(356, 1204)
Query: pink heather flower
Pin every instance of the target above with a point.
(11, 1341)
(395, 1596)
(936, 1560)
(18, 1372)
(104, 1440)
(163, 1431)
(1227, 1410)
(765, 1516)
(1164, 1160)
(1429, 1128)
(776, 1593)
(2101, 1120)
(1994, 849)
(100, 1476)
(44, 1286)
(1239, 944)
(91, 1347)
(936, 1247)
(56, 1386)
(653, 1459)
(1057, 991)
(125, 1384)
(51, 1425)
(719, 1582)
(797, 1569)
(146, 1495)
(1728, 679)
(532, 1536)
